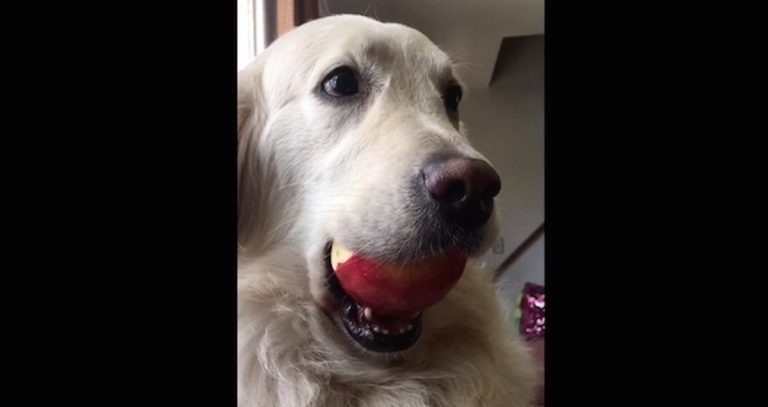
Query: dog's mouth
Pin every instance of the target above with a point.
(381, 305)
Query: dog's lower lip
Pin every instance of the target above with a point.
(375, 335)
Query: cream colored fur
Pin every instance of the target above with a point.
(310, 171)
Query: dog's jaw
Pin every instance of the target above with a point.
(342, 315)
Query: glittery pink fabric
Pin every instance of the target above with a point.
(532, 327)
(532, 311)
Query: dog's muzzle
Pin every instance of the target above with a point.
(382, 296)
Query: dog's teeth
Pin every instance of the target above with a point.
(367, 313)
(409, 327)
(384, 331)
(375, 328)
(339, 254)
(401, 330)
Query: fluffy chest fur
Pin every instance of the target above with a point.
(290, 352)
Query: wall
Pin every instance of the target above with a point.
(506, 123)
(529, 268)
(470, 31)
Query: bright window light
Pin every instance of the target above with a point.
(250, 30)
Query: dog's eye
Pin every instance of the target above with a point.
(452, 97)
(340, 82)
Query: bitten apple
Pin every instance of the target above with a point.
(397, 290)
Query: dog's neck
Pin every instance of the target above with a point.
(291, 353)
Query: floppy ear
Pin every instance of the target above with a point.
(250, 122)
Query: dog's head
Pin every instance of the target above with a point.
(350, 149)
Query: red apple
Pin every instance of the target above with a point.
(400, 290)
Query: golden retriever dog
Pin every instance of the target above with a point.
(361, 210)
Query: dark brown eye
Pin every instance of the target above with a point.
(452, 97)
(340, 82)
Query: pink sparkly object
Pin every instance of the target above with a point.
(532, 311)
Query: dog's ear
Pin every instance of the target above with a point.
(251, 116)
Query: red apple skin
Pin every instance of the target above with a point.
(397, 290)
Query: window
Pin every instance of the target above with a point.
(251, 34)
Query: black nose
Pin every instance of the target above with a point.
(463, 188)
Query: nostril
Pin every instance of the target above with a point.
(494, 186)
(449, 191)
(444, 186)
